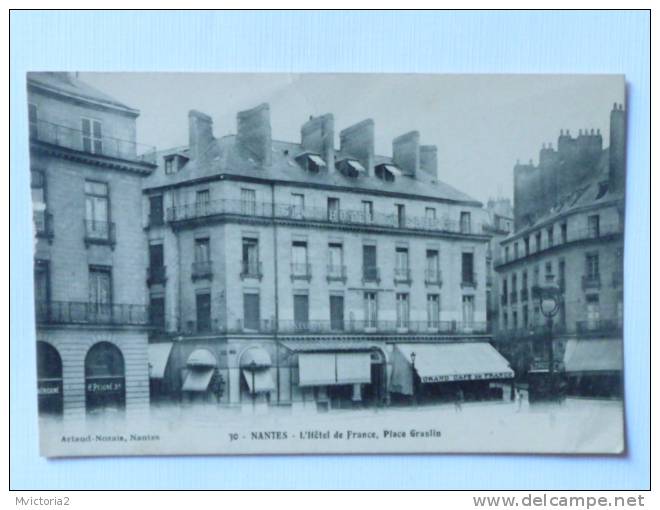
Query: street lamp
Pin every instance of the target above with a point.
(549, 297)
(414, 380)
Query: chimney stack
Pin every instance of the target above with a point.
(200, 133)
(358, 141)
(253, 132)
(318, 135)
(428, 160)
(405, 152)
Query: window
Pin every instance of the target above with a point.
(506, 254)
(299, 265)
(337, 312)
(514, 288)
(202, 249)
(301, 312)
(467, 268)
(593, 311)
(368, 211)
(594, 225)
(250, 257)
(169, 165)
(562, 275)
(468, 311)
(538, 241)
(402, 310)
(203, 309)
(433, 310)
(156, 210)
(370, 309)
(536, 275)
(548, 270)
(525, 316)
(551, 232)
(592, 266)
(157, 312)
(335, 260)
(619, 310)
(564, 233)
(432, 266)
(251, 311)
(524, 280)
(537, 316)
(401, 269)
(248, 202)
(466, 222)
(100, 292)
(92, 139)
(369, 267)
(400, 215)
(333, 209)
(297, 205)
(505, 286)
(515, 250)
(526, 240)
(515, 319)
(33, 120)
(505, 320)
(41, 283)
(97, 210)
(430, 216)
(156, 256)
(202, 202)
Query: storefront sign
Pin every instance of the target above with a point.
(105, 386)
(45, 388)
(466, 377)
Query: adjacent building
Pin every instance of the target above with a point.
(91, 309)
(569, 225)
(298, 273)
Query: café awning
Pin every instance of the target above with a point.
(259, 381)
(333, 368)
(159, 355)
(593, 355)
(201, 358)
(256, 357)
(435, 363)
(198, 379)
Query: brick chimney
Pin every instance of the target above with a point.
(318, 135)
(253, 132)
(428, 160)
(200, 133)
(358, 141)
(405, 152)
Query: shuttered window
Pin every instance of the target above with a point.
(251, 311)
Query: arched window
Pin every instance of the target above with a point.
(105, 386)
(49, 379)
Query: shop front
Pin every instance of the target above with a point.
(593, 367)
(49, 380)
(105, 379)
(470, 371)
(159, 358)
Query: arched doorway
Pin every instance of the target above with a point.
(49, 379)
(105, 385)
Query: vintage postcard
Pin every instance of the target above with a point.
(327, 263)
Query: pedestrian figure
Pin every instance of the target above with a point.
(519, 398)
(458, 403)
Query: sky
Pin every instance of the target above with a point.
(481, 124)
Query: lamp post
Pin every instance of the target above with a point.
(414, 380)
(549, 297)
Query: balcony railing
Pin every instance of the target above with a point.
(469, 280)
(229, 207)
(591, 281)
(202, 269)
(601, 326)
(402, 275)
(70, 138)
(99, 232)
(573, 236)
(433, 277)
(617, 278)
(370, 274)
(43, 224)
(336, 273)
(301, 271)
(70, 312)
(156, 275)
(251, 270)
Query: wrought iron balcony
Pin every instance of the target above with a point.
(402, 275)
(251, 270)
(433, 277)
(301, 271)
(370, 274)
(336, 273)
(73, 312)
(202, 269)
(591, 281)
(380, 326)
(75, 139)
(99, 232)
(156, 275)
(43, 224)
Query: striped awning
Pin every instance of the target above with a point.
(159, 355)
(333, 368)
(593, 355)
(198, 379)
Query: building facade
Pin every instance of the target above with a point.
(92, 321)
(574, 239)
(300, 274)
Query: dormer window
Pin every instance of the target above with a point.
(174, 163)
(310, 161)
(388, 172)
(350, 167)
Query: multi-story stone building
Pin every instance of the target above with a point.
(296, 272)
(576, 243)
(89, 250)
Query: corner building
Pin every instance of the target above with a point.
(92, 321)
(298, 273)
